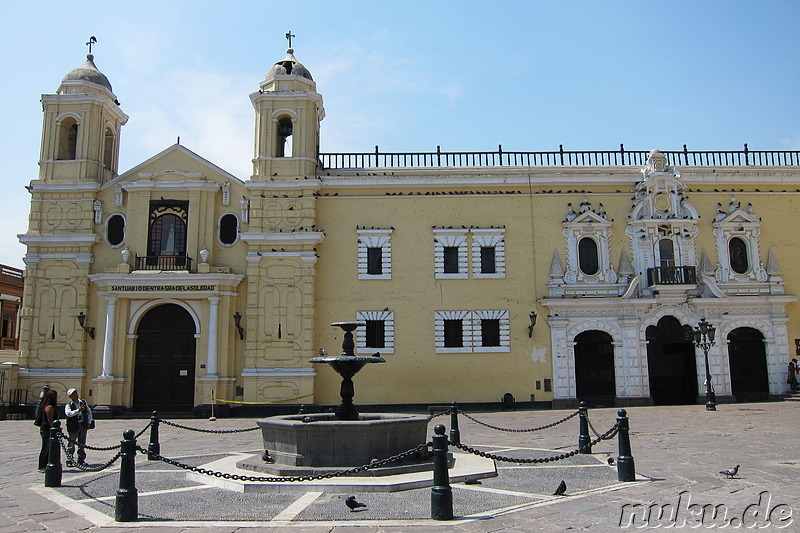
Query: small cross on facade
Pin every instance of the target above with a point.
(289, 36)
(91, 41)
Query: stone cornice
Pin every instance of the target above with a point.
(164, 279)
(283, 239)
(74, 239)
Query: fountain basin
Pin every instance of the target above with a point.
(324, 441)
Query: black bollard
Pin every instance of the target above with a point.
(52, 472)
(441, 492)
(455, 434)
(625, 467)
(154, 446)
(126, 508)
(584, 442)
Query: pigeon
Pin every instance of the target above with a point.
(731, 471)
(562, 488)
(322, 351)
(353, 504)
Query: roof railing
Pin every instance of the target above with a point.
(500, 158)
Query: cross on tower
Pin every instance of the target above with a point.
(91, 41)
(289, 36)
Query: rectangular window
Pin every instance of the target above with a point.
(490, 332)
(488, 260)
(453, 334)
(375, 334)
(374, 261)
(451, 259)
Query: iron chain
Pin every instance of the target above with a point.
(79, 466)
(519, 430)
(277, 479)
(607, 435)
(173, 424)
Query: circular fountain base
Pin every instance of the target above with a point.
(317, 443)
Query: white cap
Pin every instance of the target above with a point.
(70, 391)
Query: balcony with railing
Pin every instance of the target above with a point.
(164, 262)
(561, 157)
(671, 275)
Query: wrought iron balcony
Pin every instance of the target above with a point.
(674, 275)
(164, 262)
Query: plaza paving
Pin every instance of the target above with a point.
(678, 451)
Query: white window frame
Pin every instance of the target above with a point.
(388, 332)
(375, 238)
(471, 331)
(125, 231)
(492, 238)
(219, 229)
(445, 238)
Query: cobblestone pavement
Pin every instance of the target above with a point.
(678, 451)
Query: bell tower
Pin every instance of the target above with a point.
(288, 112)
(82, 124)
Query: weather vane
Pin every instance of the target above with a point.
(91, 41)
(289, 36)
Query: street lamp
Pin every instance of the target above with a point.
(704, 338)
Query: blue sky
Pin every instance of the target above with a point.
(410, 75)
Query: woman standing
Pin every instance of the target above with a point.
(49, 415)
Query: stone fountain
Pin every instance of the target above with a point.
(306, 444)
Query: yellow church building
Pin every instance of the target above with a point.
(552, 276)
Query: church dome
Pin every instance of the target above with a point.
(289, 66)
(88, 72)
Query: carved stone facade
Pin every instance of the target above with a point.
(173, 283)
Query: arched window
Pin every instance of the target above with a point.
(737, 251)
(283, 138)
(666, 252)
(108, 149)
(587, 256)
(167, 236)
(115, 230)
(228, 229)
(68, 139)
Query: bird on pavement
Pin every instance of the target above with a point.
(731, 471)
(562, 488)
(353, 504)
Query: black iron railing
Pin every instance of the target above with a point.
(621, 157)
(164, 262)
(674, 275)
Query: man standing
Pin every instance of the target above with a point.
(79, 417)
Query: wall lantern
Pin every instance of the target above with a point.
(88, 329)
(237, 320)
(532, 317)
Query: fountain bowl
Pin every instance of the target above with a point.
(320, 440)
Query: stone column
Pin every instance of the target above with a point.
(108, 346)
(213, 325)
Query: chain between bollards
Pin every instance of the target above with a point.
(441, 492)
(626, 470)
(52, 472)
(126, 507)
(584, 441)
